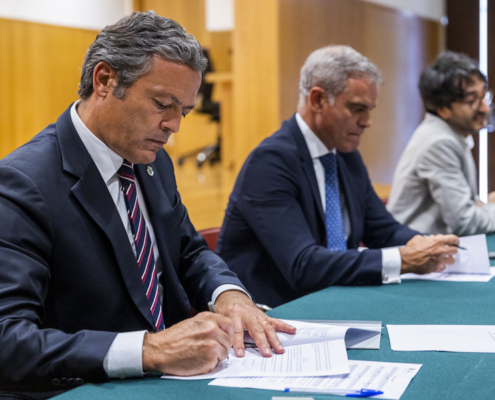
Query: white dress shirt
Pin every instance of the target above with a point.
(391, 259)
(125, 356)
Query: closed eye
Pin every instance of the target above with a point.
(161, 106)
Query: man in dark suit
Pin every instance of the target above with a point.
(97, 253)
(303, 201)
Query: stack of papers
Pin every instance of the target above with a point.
(456, 338)
(390, 378)
(471, 264)
(314, 350)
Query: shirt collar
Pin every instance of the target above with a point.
(107, 161)
(315, 146)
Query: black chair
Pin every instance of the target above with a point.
(210, 153)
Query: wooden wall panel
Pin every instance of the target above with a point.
(306, 26)
(256, 72)
(39, 77)
(401, 45)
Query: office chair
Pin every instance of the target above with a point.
(210, 153)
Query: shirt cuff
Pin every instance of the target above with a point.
(124, 358)
(223, 288)
(391, 263)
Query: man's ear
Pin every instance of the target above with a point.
(316, 97)
(444, 113)
(104, 79)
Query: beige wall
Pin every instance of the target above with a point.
(39, 76)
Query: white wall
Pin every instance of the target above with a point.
(86, 14)
(432, 9)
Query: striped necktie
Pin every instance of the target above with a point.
(333, 212)
(142, 239)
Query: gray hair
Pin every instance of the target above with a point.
(331, 66)
(129, 45)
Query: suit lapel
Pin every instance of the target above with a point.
(159, 209)
(92, 194)
(307, 164)
(345, 182)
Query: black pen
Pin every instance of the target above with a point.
(459, 247)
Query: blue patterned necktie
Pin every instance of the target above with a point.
(142, 239)
(333, 213)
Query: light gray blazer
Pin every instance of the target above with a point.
(434, 188)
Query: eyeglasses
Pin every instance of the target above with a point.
(475, 102)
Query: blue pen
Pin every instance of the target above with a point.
(340, 392)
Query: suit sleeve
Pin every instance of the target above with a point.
(33, 357)
(441, 167)
(268, 201)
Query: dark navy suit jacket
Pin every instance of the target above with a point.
(274, 236)
(68, 276)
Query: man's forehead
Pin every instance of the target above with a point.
(477, 85)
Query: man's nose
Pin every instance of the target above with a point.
(365, 120)
(172, 124)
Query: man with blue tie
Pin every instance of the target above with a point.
(99, 262)
(303, 201)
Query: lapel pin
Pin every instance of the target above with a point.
(150, 171)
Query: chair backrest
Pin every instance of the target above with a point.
(211, 237)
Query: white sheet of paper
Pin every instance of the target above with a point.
(455, 338)
(311, 332)
(391, 378)
(371, 343)
(313, 359)
(454, 277)
(472, 262)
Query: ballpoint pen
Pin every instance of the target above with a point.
(341, 392)
(459, 247)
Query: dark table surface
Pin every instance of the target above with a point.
(443, 375)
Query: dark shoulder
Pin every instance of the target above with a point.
(279, 147)
(38, 156)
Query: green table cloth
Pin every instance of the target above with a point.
(443, 375)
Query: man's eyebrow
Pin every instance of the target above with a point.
(472, 93)
(359, 104)
(176, 101)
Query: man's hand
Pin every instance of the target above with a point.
(491, 197)
(425, 254)
(245, 315)
(191, 347)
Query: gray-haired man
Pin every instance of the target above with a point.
(96, 247)
(303, 201)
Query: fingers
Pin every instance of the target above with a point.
(221, 330)
(449, 260)
(271, 335)
(281, 326)
(449, 239)
(256, 328)
(238, 339)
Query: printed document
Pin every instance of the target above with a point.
(471, 265)
(313, 359)
(455, 338)
(390, 378)
(314, 350)
(356, 334)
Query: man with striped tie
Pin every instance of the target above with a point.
(99, 261)
(303, 201)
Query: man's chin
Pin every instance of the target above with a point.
(146, 157)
